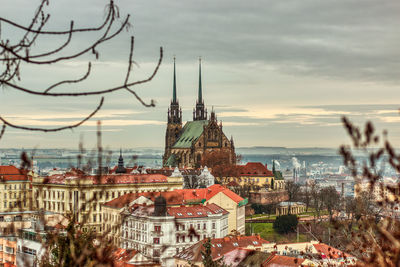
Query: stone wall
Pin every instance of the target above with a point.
(268, 197)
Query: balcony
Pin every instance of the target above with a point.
(157, 233)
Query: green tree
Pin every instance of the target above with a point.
(285, 224)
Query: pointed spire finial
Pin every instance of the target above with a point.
(174, 86)
(200, 96)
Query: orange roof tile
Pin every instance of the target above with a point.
(172, 197)
(220, 246)
(279, 260)
(207, 193)
(108, 179)
(196, 211)
(330, 252)
(12, 173)
(254, 169)
(176, 197)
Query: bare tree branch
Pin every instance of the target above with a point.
(54, 129)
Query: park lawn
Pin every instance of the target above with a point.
(267, 232)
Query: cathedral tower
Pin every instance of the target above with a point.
(174, 125)
(200, 114)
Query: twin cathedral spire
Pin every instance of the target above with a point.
(175, 112)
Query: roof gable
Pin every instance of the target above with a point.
(190, 133)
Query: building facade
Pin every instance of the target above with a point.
(83, 195)
(160, 232)
(16, 189)
(186, 145)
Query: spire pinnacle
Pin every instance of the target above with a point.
(200, 96)
(174, 86)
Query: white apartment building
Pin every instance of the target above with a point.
(160, 232)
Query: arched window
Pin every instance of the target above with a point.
(199, 158)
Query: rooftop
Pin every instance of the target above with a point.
(220, 246)
(12, 173)
(254, 169)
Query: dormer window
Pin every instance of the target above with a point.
(189, 213)
(255, 242)
(199, 213)
(235, 244)
(219, 245)
(179, 214)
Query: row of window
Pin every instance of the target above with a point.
(10, 187)
(15, 204)
(58, 194)
(14, 195)
(191, 226)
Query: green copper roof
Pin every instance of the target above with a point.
(171, 161)
(190, 133)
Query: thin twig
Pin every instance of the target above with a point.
(55, 129)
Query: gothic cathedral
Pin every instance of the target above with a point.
(185, 146)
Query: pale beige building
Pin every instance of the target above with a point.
(15, 190)
(81, 195)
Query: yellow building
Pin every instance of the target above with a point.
(83, 195)
(255, 174)
(15, 188)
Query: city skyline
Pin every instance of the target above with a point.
(277, 74)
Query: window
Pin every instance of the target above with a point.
(198, 226)
(189, 213)
(157, 228)
(199, 213)
(219, 245)
(156, 240)
(213, 225)
(191, 238)
(235, 244)
(177, 239)
(179, 214)
(204, 226)
(94, 217)
(255, 242)
(156, 253)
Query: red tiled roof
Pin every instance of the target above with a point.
(220, 246)
(12, 173)
(279, 260)
(207, 193)
(176, 197)
(196, 211)
(109, 179)
(254, 169)
(330, 252)
(172, 197)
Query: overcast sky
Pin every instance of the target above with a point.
(278, 73)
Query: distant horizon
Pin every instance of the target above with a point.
(273, 73)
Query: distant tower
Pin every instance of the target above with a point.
(200, 113)
(174, 125)
(120, 168)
